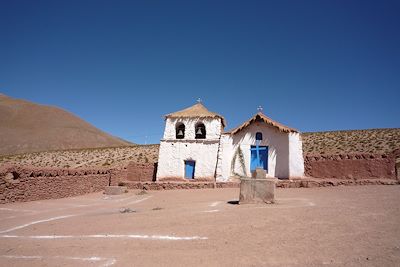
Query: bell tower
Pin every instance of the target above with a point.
(189, 147)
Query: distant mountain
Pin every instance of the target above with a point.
(29, 127)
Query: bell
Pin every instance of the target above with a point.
(199, 132)
(180, 133)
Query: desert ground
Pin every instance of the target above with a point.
(340, 226)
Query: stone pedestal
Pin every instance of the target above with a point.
(259, 173)
(115, 190)
(257, 189)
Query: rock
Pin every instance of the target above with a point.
(126, 210)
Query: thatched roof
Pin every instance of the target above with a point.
(262, 118)
(196, 111)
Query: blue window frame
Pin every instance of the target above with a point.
(262, 161)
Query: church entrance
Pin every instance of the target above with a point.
(189, 169)
(259, 157)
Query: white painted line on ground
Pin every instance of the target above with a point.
(118, 199)
(64, 216)
(21, 257)
(138, 200)
(214, 204)
(41, 210)
(294, 198)
(20, 210)
(301, 203)
(6, 218)
(127, 236)
(67, 205)
(82, 205)
(108, 261)
(58, 209)
(36, 222)
(211, 211)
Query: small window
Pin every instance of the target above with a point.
(180, 131)
(259, 136)
(200, 131)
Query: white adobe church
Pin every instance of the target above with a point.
(196, 147)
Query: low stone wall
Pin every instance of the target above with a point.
(27, 184)
(300, 183)
(312, 182)
(351, 166)
(178, 185)
(140, 172)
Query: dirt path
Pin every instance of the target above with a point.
(341, 226)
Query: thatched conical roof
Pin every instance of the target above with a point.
(196, 111)
(261, 117)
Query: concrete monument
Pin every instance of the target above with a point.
(258, 188)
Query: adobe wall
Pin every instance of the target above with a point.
(351, 166)
(140, 172)
(27, 184)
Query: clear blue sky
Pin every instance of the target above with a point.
(120, 65)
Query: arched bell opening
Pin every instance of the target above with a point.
(200, 131)
(180, 130)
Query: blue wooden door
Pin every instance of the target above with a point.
(189, 169)
(263, 152)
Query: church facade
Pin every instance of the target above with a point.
(196, 147)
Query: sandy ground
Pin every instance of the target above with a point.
(340, 226)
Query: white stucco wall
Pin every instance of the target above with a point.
(224, 158)
(173, 152)
(296, 159)
(278, 151)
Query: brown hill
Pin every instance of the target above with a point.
(29, 127)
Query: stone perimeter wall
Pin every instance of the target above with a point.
(296, 183)
(344, 166)
(139, 172)
(27, 184)
(352, 166)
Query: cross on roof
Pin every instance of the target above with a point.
(260, 108)
(198, 100)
